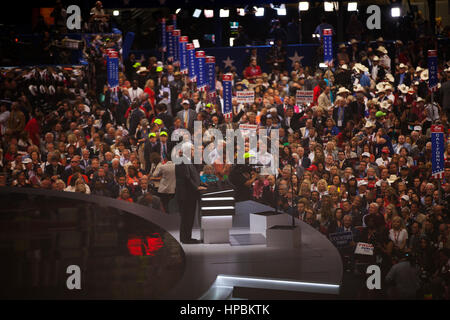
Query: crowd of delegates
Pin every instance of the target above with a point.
(357, 158)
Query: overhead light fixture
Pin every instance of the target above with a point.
(177, 11)
(330, 6)
(208, 13)
(352, 6)
(240, 11)
(224, 13)
(395, 12)
(196, 43)
(116, 13)
(197, 13)
(259, 12)
(303, 6)
(281, 11)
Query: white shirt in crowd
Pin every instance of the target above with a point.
(135, 93)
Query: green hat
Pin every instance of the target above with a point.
(380, 114)
(248, 155)
(163, 133)
(159, 69)
(208, 105)
(286, 144)
(151, 134)
(158, 121)
(136, 65)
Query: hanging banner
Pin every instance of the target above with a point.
(247, 96)
(191, 62)
(437, 151)
(201, 70)
(227, 83)
(211, 75)
(163, 35)
(174, 21)
(328, 46)
(183, 55)
(112, 67)
(432, 70)
(176, 50)
(170, 53)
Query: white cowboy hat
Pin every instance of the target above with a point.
(403, 88)
(419, 99)
(424, 75)
(385, 104)
(390, 77)
(376, 58)
(419, 69)
(358, 88)
(402, 66)
(382, 49)
(342, 45)
(380, 86)
(344, 66)
(142, 69)
(392, 178)
(343, 90)
(369, 124)
(361, 67)
(353, 41)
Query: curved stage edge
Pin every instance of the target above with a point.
(225, 271)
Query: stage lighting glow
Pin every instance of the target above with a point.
(240, 11)
(231, 42)
(196, 43)
(197, 13)
(116, 13)
(224, 13)
(395, 12)
(352, 6)
(303, 6)
(209, 13)
(177, 11)
(259, 12)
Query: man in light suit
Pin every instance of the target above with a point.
(187, 116)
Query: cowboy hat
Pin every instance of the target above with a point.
(403, 88)
(343, 90)
(382, 49)
(342, 45)
(358, 88)
(380, 86)
(380, 39)
(424, 75)
(419, 69)
(142, 69)
(385, 104)
(344, 66)
(369, 124)
(353, 41)
(390, 77)
(392, 178)
(402, 66)
(376, 58)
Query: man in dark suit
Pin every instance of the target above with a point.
(116, 168)
(124, 104)
(402, 77)
(187, 192)
(341, 113)
(151, 145)
(166, 118)
(269, 195)
(54, 168)
(187, 116)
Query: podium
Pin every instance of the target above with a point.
(261, 221)
(217, 208)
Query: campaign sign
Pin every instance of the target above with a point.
(247, 96)
(170, 53)
(163, 35)
(304, 96)
(227, 83)
(437, 151)
(112, 74)
(211, 75)
(191, 62)
(328, 46)
(176, 50)
(183, 54)
(364, 249)
(341, 239)
(200, 57)
(432, 70)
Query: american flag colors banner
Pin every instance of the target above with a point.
(163, 35)
(176, 51)
(211, 75)
(227, 83)
(328, 46)
(182, 53)
(191, 62)
(201, 70)
(112, 67)
(170, 53)
(432, 70)
(437, 151)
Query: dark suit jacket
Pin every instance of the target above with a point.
(192, 117)
(269, 197)
(353, 230)
(187, 182)
(166, 118)
(149, 149)
(347, 116)
(48, 170)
